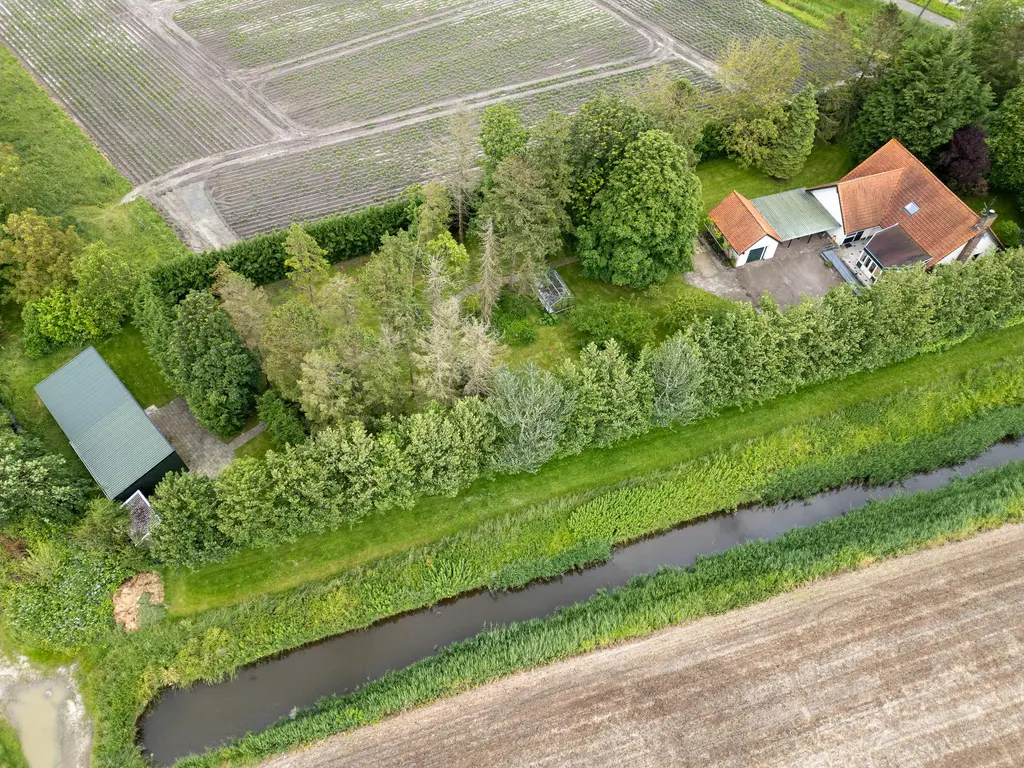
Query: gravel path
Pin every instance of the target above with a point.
(930, 16)
(912, 662)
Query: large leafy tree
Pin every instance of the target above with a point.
(106, 286)
(758, 78)
(36, 487)
(995, 34)
(597, 138)
(646, 217)
(964, 163)
(209, 364)
(502, 134)
(1006, 142)
(37, 255)
(929, 92)
(796, 137)
(674, 104)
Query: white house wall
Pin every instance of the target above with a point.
(829, 199)
(769, 243)
(986, 244)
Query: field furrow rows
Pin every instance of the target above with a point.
(271, 194)
(249, 33)
(505, 43)
(135, 93)
(710, 25)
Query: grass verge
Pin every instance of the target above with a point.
(942, 423)
(11, 755)
(317, 557)
(741, 576)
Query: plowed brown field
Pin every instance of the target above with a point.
(917, 661)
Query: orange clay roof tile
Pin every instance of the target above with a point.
(740, 222)
(877, 191)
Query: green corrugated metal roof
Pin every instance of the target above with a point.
(796, 213)
(108, 430)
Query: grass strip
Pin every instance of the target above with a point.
(885, 439)
(738, 577)
(11, 755)
(317, 557)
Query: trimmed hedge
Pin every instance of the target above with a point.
(944, 422)
(261, 258)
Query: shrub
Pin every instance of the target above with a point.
(261, 258)
(691, 305)
(518, 333)
(1009, 233)
(285, 424)
(631, 326)
(59, 598)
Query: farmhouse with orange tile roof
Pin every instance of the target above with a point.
(890, 210)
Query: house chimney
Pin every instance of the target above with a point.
(987, 218)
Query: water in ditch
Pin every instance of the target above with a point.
(185, 721)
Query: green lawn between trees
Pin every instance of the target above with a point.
(319, 556)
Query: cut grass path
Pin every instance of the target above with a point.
(319, 556)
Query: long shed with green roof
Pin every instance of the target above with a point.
(111, 434)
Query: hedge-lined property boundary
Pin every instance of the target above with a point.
(945, 422)
(747, 574)
(261, 258)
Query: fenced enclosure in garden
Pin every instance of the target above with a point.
(554, 293)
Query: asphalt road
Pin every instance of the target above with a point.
(912, 662)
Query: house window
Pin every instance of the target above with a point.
(756, 255)
(854, 237)
(867, 264)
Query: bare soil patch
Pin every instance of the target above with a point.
(127, 597)
(912, 662)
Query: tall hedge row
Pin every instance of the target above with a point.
(743, 357)
(261, 258)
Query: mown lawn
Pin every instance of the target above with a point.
(318, 556)
(827, 163)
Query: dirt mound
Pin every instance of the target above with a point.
(126, 599)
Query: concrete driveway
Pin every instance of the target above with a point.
(795, 272)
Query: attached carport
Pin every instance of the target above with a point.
(795, 215)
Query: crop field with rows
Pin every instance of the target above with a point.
(250, 33)
(497, 44)
(710, 25)
(353, 174)
(147, 105)
(285, 110)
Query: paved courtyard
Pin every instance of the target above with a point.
(203, 452)
(796, 271)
